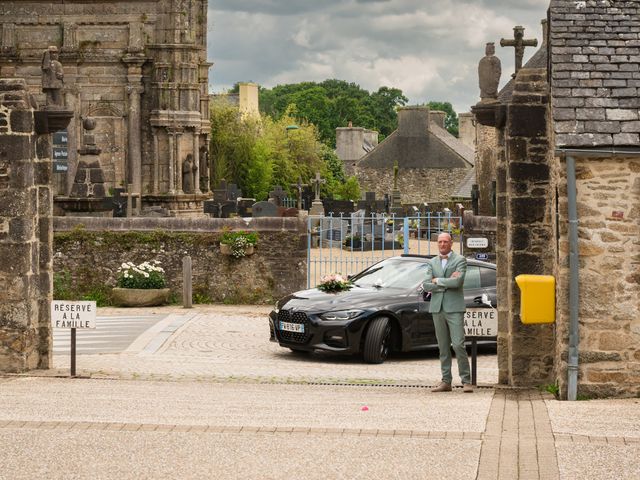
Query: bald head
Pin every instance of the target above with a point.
(445, 242)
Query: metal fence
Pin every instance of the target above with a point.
(293, 203)
(347, 244)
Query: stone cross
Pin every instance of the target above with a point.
(277, 194)
(316, 184)
(519, 43)
(299, 186)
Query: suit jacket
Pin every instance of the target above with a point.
(449, 296)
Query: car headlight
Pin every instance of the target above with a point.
(342, 315)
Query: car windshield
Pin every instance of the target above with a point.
(392, 273)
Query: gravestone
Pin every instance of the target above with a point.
(337, 207)
(290, 212)
(264, 209)
(244, 206)
(119, 203)
(299, 191)
(370, 205)
(333, 231)
(212, 208)
(306, 196)
(277, 195)
(316, 206)
(228, 209)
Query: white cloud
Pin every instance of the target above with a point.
(430, 50)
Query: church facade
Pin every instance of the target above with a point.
(139, 69)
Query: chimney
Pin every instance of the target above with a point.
(413, 121)
(545, 31)
(437, 117)
(466, 130)
(248, 103)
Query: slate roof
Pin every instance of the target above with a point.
(464, 189)
(595, 72)
(435, 147)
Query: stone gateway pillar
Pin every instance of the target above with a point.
(25, 233)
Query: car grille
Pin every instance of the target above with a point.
(296, 317)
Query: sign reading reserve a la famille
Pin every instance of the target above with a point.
(73, 314)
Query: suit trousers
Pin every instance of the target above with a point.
(450, 332)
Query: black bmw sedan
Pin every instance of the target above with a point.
(384, 311)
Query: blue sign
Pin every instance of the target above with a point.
(60, 167)
(60, 138)
(482, 256)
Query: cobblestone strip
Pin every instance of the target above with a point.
(146, 427)
(518, 442)
(601, 440)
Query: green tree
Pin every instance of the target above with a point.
(333, 103)
(450, 119)
(259, 153)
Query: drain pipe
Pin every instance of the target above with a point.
(570, 155)
(574, 304)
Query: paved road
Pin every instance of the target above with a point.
(214, 344)
(241, 407)
(113, 334)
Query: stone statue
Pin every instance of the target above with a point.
(52, 78)
(189, 171)
(489, 71)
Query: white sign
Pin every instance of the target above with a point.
(477, 242)
(73, 314)
(481, 322)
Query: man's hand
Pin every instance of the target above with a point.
(455, 274)
(434, 281)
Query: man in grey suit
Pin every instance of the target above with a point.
(445, 277)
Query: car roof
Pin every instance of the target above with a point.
(470, 261)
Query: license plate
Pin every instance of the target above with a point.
(292, 327)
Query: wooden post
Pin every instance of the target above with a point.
(187, 287)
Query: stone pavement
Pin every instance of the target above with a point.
(233, 423)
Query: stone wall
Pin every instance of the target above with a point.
(609, 252)
(416, 185)
(25, 234)
(88, 252)
(526, 221)
(487, 153)
(476, 226)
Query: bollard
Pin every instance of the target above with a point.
(187, 297)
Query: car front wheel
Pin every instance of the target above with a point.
(377, 341)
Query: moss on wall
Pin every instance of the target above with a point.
(86, 264)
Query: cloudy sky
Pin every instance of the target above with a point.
(428, 48)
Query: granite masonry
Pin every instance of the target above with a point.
(595, 86)
(139, 69)
(25, 233)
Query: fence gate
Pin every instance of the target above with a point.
(349, 244)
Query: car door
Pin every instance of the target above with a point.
(473, 286)
(423, 332)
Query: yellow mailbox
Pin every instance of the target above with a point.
(537, 298)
